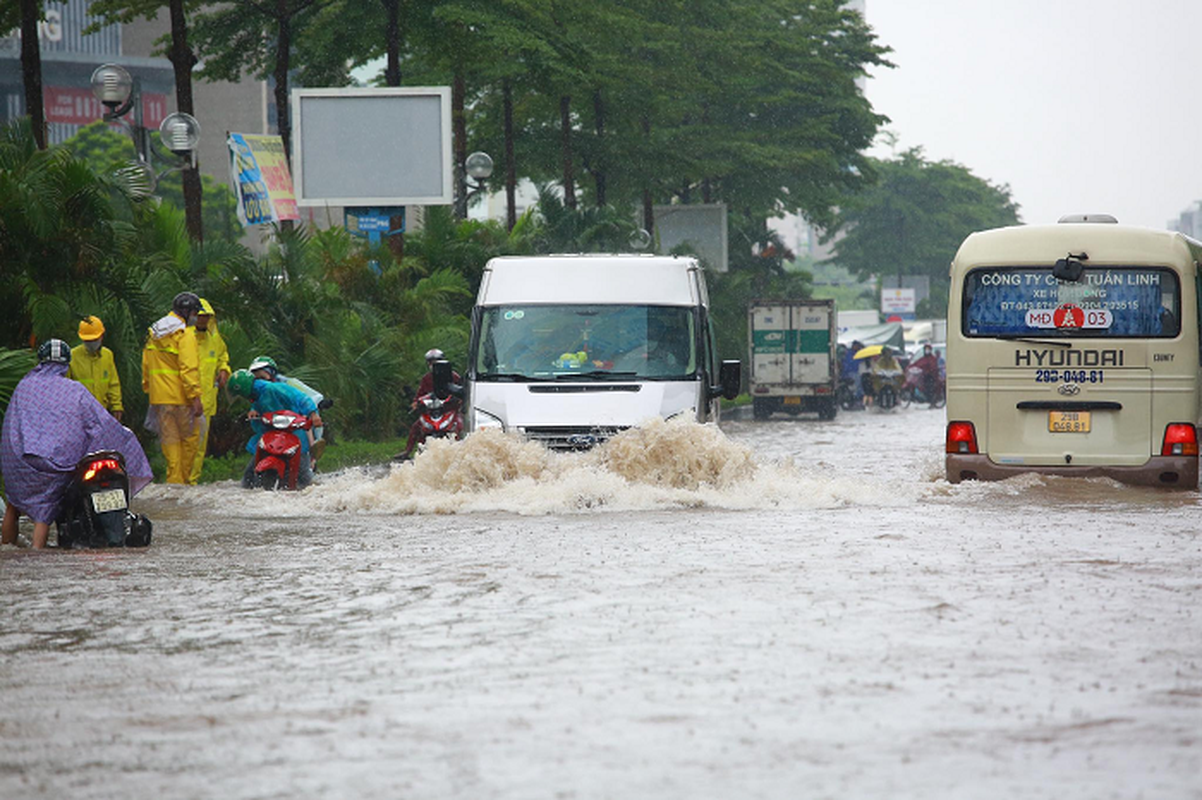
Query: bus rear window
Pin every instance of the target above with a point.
(1009, 302)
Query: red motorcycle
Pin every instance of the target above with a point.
(439, 418)
(922, 387)
(279, 452)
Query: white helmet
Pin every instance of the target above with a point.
(434, 354)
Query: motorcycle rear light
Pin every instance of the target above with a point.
(1180, 439)
(97, 467)
(961, 438)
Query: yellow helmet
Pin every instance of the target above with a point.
(91, 329)
(205, 308)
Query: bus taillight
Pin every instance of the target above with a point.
(1180, 439)
(962, 438)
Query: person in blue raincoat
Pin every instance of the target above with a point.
(50, 424)
(265, 397)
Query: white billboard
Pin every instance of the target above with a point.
(898, 301)
(702, 227)
(372, 147)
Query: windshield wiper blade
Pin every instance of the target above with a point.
(1037, 341)
(515, 377)
(596, 374)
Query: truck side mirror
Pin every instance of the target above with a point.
(442, 374)
(730, 378)
(441, 371)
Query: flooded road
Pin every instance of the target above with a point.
(779, 609)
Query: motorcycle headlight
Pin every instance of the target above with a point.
(486, 420)
(280, 423)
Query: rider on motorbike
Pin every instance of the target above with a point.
(928, 362)
(50, 424)
(424, 388)
(265, 397)
(884, 369)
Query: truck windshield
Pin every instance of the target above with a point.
(1013, 302)
(586, 342)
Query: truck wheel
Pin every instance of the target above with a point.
(760, 408)
(828, 410)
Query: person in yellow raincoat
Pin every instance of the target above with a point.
(214, 372)
(92, 365)
(171, 376)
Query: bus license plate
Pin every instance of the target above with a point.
(792, 401)
(112, 500)
(1068, 421)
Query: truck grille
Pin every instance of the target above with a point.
(570, 437)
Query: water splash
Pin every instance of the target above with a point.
(660, 465)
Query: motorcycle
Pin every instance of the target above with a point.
(917, 388)
(438, 418)
(95, 511)
(845, 395)
(883, 390)
(278, 454)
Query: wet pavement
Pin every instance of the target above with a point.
(779, 609)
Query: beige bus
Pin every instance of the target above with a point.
(1073, 349)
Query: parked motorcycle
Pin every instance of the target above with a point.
(279, 452)
(95, 511)
(920, 389)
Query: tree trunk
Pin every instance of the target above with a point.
(511, 182)
(565, 138)
(599, 126)
(283, 52)
(392, 77)
(392, 73)
(31, 68)
(283, 59)
(707, 194)
(182, 61)
(459, 133)
(648, 209)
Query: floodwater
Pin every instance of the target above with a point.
(781, 609)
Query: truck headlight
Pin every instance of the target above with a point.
(485, 420)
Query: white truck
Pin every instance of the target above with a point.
(569, 350)
(793, 364)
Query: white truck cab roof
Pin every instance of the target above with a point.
(592, 279)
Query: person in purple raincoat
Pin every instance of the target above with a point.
(51, 423)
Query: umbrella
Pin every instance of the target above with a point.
(870, 351)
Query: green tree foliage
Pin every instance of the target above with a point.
(107, 150)
(912, 221)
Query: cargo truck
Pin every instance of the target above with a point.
(793, 364)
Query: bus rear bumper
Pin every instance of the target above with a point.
(1173, 472)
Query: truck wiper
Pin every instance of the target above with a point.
(596, 374)
(1037, 341)
(513, 377)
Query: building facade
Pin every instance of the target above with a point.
(69, 56)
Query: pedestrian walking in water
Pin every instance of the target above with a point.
(171, 376)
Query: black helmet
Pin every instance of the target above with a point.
(186, 303)
(55, 351)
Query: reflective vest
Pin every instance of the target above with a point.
(214, 357)
(98, 373)
(171, 363)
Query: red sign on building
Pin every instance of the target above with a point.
(79, 107)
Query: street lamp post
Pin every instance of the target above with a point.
(478, 167)
(118, 92)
